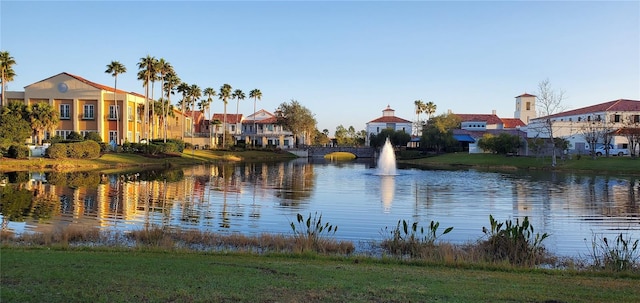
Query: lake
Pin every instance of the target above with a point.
(254, 198)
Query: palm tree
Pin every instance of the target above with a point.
(210, 93)
(43, 117)
(183, 88)
(256, 94)
(430, 109)
(170, 82)
(146, 67)
(163, 68)
(114, 68)
(225, 94)
(6, 70)
(238, 95)
(195, 93)
(419, 110)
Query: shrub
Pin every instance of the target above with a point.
(94, 136)
(74, 136)
(90, 149)
(18, 152)
(57, 151)
(516, 243)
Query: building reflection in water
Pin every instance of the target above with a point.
(258, 197)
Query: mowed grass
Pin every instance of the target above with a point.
(491, 161)
(43, 275)
(124, 160)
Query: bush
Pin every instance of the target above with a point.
(74, 136)
(57, 151)
(18, 152)
(94, 136)
(411, 239)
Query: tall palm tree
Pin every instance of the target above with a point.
(43, 117)
(6, 70)
(115, 68)
(209, 93)
(256, 94)
(146, 67)
(430, 109)
(183, 88)
(162, 68)
(238, 95)
(225, 94)
(195, 93)
(170, 83)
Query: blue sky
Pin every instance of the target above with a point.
(345, 61)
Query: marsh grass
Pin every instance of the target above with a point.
(620, 254)
(312, 235)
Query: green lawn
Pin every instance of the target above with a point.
(43, 275)
(490, 161)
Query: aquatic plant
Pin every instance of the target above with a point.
(411, 239)
(311, 234)
(515, 243)
(622, 254)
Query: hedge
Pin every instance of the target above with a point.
(18, 152)
(78, 150)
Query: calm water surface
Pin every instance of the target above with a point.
(265, 197)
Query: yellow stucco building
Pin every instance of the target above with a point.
(86, 106)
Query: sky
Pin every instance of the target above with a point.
(345, 61)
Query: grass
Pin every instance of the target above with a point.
(112, 275)
(124, 160)
(490, 161)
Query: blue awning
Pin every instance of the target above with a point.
(464, 138)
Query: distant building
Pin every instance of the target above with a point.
(571, 125)
(387, 121)
(261, 129)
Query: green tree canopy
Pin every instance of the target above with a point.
(297, 119)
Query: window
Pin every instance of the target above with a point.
(130, 113)
(130, 136)
(636, 119)
(528, 105)
(65, 112)
(88, 111)
(270, 127)
(113, 135)
(579, 119)
(113, 112)
(616, 118)
(63, 133)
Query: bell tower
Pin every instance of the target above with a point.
(525, 107)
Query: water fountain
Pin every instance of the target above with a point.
(387, 160)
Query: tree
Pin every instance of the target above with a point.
(115, 68)
(430, 109)
(225, 94)
(238, 95)
(256, 94)
(195, 93)
(43, 117)
(146, 74)
(297, 119)
(591, 133)
(549, 102)
(631, 131)
(171, 81)
(164, 68)
(183, 88)
(419, 106)
(14, 127)
(502, 144)
(438, 133)
(321, 138)
(209, 93)
(6, 72)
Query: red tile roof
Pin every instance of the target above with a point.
(231, 118)
(620, 105)
(526, 95)
(389, 119)
(489, 118)
(512, 123)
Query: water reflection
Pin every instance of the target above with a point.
(253, 198)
